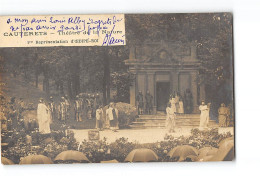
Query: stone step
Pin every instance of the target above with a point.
(178, 123)
(149, 123)
(152, 117)
(177, 120)
(159, 120)
(150, 120)
(146, 126)
(163, 126)
(164, 116)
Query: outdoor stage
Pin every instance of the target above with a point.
(141, 135)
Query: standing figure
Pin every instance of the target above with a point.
(94, 106)
(140, 102)
(204, 115)
(3, 120)
(67, 103)
(62, 109)
(88, 105)
(223, 115)
(43, 117)
(177, 99)
(82, 105)
(99, 118)
(170, 118)
(13, 113)
(99, 100)
(91, 105)
(173, 104)
(231, 115)
(21, 108)
(52, 108)
(171, 97)
(149, 102)
(112, 115)
(181, 108)
(77, 109)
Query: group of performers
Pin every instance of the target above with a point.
(174, 106)
(223, 115)
(87, 106)
(183, 103)
(144, 107)
(84, 106)
(109, 119)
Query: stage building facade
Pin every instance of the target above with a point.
(162, 68)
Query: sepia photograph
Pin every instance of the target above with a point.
(163, 91)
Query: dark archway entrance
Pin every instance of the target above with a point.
(162, 95)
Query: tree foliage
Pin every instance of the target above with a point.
(71, 70)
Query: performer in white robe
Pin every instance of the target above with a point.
(181, 108)
(99, 118)
(44, 118)
(173, 104)
(170, 119)
(112, 115)
(204, 115)
(177, 99)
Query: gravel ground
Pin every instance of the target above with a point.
(140, 135)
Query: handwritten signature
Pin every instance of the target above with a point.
(110, 40)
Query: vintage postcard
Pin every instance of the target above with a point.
(117, 88)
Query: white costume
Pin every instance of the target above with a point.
(173, 104)
(99, 118)
(204, 116)
(44, 118)
(181, 109)
(113, 121)
(170, 119)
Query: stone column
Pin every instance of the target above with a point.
(202, 92)
(194, 91)
(174, 81)
(151, 87)
(193, 53)
(133, 93)
(132, 53)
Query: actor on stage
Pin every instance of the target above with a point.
(44, 118)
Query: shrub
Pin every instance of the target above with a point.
(126, 112)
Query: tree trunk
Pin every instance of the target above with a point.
(43, 84)
(61, 88)
(76, 79)
(69, 87)
(36, 79)
(47, 86)
(57, 86)
(105, 81)
(108, 79)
